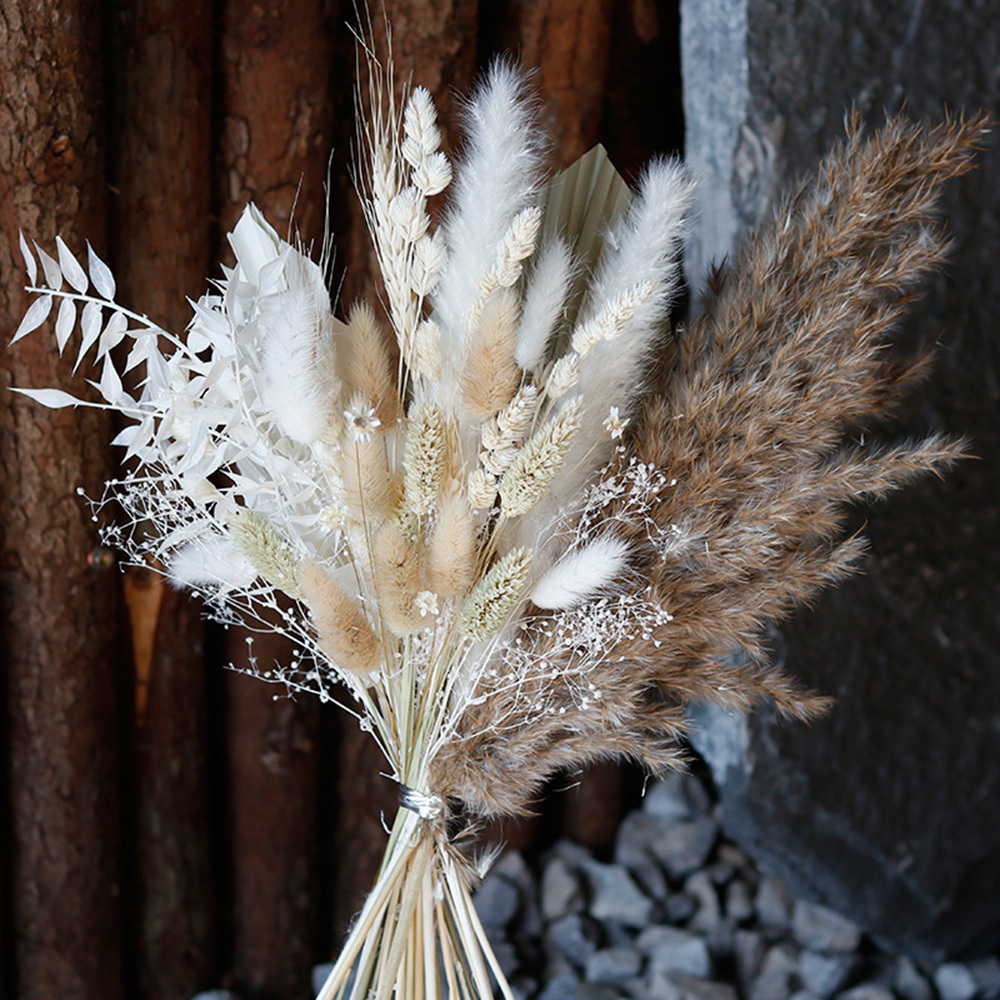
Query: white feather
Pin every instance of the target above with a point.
(544, 302)
(581, 574)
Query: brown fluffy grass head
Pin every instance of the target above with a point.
(752, 429)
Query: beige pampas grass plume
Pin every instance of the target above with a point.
(490, 375)
(342, 629)
(495, 597)
(424, 457)
(452, 550)
(539, 461)
(397, 580)
(367, 367)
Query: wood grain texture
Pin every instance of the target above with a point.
(162, 252)
(570, 44)
(276, 111)
(57, 615)
(277, 121)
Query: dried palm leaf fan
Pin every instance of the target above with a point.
(466, 542)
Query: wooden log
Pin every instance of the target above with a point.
(569, 43)
(162, 251)
(276, 136)
(272, 756)
(58, 613)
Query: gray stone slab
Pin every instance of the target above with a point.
(496, 901)
(671, 949)
(574, 937)
(678, 986)
(822, 975)
(613, 965)
(821, 929)
(615, 896)
(886, 810)
(684, 845)
(562, 987)
(561, 890)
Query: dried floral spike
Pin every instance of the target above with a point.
(494, 598)
(265, 548)
(342, 630)
(539, 461)
(424, 458)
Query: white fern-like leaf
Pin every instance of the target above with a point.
(100, 275)
(71, 269)
(35, 315)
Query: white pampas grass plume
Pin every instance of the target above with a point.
(397, 580)
(644, 246)
(265, 548)
(529, 477)
(544, 302)
(581, 574)
(496, 181)
(451, 551)
(490, 375)
(424, 458)
(212, 561)
(297, 362)
(495, 597)
(342, 630)
(366, 365)
(640, 252)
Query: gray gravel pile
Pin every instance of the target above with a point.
(682, 914)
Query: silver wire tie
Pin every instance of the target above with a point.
(424, 804)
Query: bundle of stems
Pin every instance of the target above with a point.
(511, 553)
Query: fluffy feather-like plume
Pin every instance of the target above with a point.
(582, 574)
(750, 432)
(544, 303)
(342, 630)
(498, 177)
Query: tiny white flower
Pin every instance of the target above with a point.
(361, 419)
(332, 517)
(426, 603)
(615, 425)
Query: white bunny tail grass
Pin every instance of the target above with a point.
(342, 629)
(544, 303)
(582, 574)
(497, 179)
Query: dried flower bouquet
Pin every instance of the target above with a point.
(458, 532)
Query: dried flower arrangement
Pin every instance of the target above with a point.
(511, 553)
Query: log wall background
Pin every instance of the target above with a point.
(168, 826)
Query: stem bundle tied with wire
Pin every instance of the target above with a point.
(511, 550)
